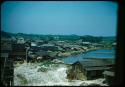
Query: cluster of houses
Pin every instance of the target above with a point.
(22, 49)
(25, 50)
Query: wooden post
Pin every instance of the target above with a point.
(27, 48)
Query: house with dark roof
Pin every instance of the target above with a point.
(90, 69)
(44, 55)
(35, 48)
(49, 47)
(18, 52)
(6, 47)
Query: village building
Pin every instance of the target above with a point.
(6, 47)
(20, 41)
(49, 47)
(75, 47)
(39, 55)
(109, 76)
(33, 44)
(42, 55)
(97, 45)
(86, 43)
(89, 69)
(114, 44)
(35, 48)
(7, 69)
(31, 56)
(84, 48)
(60, 49)
(40, 42)
(66, 48)
(6, 62)
(78, 42)
(18, 52)
(13, 39)
(6, 40)
(27, 44)
(59, 43)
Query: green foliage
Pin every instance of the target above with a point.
(5, 34)
(91, 39)
(72, 38)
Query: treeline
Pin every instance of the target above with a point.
(5, 34)
(85, 38)
(91, 39)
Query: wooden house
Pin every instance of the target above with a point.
(18, 52)
(89, 69)
(44, 55)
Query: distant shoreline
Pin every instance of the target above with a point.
(89, 50)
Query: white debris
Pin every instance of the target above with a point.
(28, 75)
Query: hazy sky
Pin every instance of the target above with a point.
(60, 17)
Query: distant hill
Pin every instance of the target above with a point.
(72, 37)
(5, 34)
(109, 38)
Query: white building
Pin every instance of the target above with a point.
(33, 44)
(20, 41)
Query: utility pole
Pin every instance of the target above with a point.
(27, 48)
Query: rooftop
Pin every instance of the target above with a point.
(109, 73)
(95, 62)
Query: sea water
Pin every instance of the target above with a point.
(101, 53)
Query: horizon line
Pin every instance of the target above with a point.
(58, 34)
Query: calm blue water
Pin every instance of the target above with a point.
(101, 53)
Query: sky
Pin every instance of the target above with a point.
(97, 18)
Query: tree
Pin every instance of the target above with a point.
(91, 39)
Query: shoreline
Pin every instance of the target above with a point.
(89, 50)
(79, 52)
(70, 54)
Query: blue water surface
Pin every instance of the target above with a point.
(101, 53)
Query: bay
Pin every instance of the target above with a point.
(100, 53)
